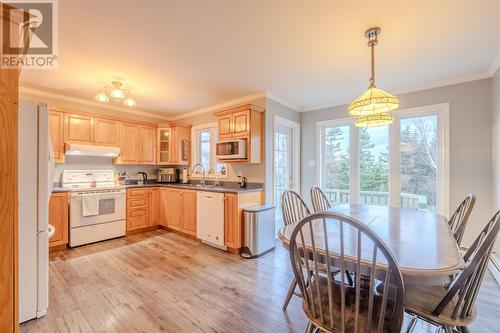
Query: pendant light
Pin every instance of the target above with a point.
(374, 105)
(116, 94)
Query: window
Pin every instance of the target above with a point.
(401, 165)
(204, 140)
(336, 163)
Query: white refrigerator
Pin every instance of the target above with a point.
(36, 166)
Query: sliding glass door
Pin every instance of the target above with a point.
(401, 165)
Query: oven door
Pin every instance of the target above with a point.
(111, 208)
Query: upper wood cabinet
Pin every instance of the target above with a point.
(106, 132)
(78, 129)
(137, 144)
(243, 122)
(147, 145)
(130, 134)
(56, 126)
(174, 144)
(58, 217)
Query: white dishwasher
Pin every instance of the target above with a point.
(210, 218)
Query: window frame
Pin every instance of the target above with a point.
(195, 139)
(443, 174)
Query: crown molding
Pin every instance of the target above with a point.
(37, 92)
(283, 101)
(216, 107)
(495, 66)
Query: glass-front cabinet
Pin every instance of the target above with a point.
(165, 142)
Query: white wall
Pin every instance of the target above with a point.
(495, 88)
(470, 143)
(101, 163)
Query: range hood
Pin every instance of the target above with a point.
(90, 150)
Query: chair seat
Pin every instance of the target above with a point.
(421, 300)
(334, 325)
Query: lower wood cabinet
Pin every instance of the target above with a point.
(178, 210)
(155, 206)
(58, 217)
(138, 209)
(233, 216)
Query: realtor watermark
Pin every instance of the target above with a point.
(29, 34)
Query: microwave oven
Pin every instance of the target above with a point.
(231, 150)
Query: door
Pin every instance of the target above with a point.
(164, 145)
(189, 212)
(56, 126)
(148, 145)
(129, 143)
(106, 132)
(286, 160)
(241, 123)
(224, 126)
(78, 129)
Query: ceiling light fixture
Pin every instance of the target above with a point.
(117, 94)
(374, 105)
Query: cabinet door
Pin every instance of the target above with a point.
(230, 219)
(225, 126)
(129, 143)
(164, 143)
(174, 210)
(56, 129)
(155, 206)
(78, 129)
(58, 217)
(241, 123)
(164, 206)
(189, 212)
(147, 145)
(105, 132)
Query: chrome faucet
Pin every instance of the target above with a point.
(203, 181)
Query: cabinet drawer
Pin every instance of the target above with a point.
(138, 192)
(138, 213)
(137, 202)
(136, 223)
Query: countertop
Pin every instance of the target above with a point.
(225, 188)
(58, 189)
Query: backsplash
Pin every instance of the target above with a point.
(252, 172)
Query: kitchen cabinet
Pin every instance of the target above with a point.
(174, 141)
(147, 145)
(137, 144)
(233, 217)
(106, 132)
(56, 128)
(58, 217)
(155, 206)
(78, 128)
(244, 122)
(138, 209)
(179, 210)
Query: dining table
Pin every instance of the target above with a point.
(420, 240)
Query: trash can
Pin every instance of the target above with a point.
(259, 231)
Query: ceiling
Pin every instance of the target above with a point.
(183, 55)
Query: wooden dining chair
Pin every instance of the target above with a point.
(458, 221)
(293, 209)
(319, 200)
(329, 303)
(453, 306)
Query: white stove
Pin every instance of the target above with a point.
(97, 206)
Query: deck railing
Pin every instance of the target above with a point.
(377, 198)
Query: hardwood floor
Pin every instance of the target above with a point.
(162, 282)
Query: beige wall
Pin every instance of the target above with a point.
(470, 143)
(495, 88)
